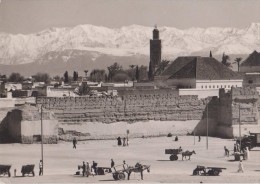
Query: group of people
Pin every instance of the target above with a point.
(245, 152)
(88, 169)
(125, 166)
(125, 141)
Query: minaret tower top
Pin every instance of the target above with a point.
(155, 33)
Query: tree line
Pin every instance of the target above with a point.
(114, 73)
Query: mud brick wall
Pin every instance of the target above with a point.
(130, 108)
(239, 103)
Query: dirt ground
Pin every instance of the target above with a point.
(61, 161)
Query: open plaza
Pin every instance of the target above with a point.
(61, 161)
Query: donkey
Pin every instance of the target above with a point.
(187, 153)
(137, 169)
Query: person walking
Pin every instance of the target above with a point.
(84, 169)
(127, 141)
(125, 166)
(176, 138)
(248, 155)
(124, 141)
(94, 166)
(88, 169)
(199, 138)
(119, 142)
(112, 163)
(40, 168)
(74, 142)
(235, 147)
(240, 167)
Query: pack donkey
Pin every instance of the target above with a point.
(139, 168)
(187, 153)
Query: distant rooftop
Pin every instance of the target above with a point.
(200, 68)
(252, 60)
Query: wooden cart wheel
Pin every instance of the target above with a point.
(210, 172)
(171, 158)
(195, 172)
(216, 173)
(115, 176)
(175, 157)
(121, 176)
(100, 171)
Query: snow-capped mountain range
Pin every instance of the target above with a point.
(125, 41)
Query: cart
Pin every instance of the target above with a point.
(5, 169)
(118, 174)
(211, 171)
(237, 156)
(27, 169)
(103, 170)
(174, 153)
(100, 170)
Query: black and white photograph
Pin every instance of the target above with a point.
(129, 91)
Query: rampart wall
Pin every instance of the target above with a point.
(129, 108)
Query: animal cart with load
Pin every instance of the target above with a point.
(174, 153)
(5, 169)
(27, 169)
(211, 171)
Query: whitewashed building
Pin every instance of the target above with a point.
(201, 76)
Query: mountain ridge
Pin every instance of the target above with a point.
(127, 41)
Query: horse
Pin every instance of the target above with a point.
(137, 169)
(187, 153)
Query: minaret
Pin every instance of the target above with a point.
(155, 48)
(155, 53)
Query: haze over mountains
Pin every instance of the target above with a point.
(83, 47)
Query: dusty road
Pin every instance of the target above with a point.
(61, 161)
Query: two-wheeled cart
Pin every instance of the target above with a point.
(211, 171)
(174, 153)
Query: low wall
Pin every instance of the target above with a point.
(97, 130)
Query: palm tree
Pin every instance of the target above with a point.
(132, 70)
(238, 60)
(86, 73)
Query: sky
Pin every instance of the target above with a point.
(29, 16)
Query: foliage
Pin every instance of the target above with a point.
(121, 76)
(66, 77)
(41, 77)
(225, 59)
(15, 77)
(97, 75)
(137, 73)
(238, 60)
(210, 54)
(57, 78)
(86, 73)
(75, 76)
(151, 72)
(84, 89)
(161, 67)
(143, 74)
(113, 70)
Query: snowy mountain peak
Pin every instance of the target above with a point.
(125, 41)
